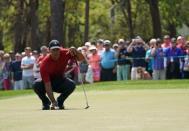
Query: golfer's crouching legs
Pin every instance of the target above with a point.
(64, 86)
(39, 89)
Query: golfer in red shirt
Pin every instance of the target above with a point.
(52, 69)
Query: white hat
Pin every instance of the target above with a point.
(92, 47)
(121, 41)
(79, 48)
(87, 43)
(107, 42)
(115, 45)
(153, 41)
(179, 37)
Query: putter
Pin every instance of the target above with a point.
(82, 84)
(87, 105)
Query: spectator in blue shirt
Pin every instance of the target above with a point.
(173, 61)
(159, 71)
(108, 71)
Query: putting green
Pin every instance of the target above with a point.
(124, 110)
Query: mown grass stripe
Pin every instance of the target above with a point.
(121, 85)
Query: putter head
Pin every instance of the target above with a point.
(87, 107)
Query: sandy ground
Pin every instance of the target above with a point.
(128, 110)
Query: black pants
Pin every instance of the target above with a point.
(173, 71)
(64, 86)
(107, 74)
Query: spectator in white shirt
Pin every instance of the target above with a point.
(27, 68)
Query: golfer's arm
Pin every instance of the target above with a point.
(49, 91)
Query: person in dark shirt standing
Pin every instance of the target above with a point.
(123, 64)
(52, 69)
(137, 48)
(17, 72)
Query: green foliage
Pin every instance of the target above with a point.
(174, 12)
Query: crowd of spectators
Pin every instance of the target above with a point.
(104, 61)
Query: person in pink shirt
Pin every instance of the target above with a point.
(94, 62)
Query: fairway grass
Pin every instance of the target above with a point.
(110, 110)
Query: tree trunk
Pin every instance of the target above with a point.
(172, 30)
(154, 10)
(35, 42)
(57, 20)
(19, 27)
(126, 10)
(86, 34)
(1, 40)
(63, 21)
(48, 31)
(130, 23)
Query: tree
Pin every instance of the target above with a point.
(57, 20)
(86, 33)
(35, 42)
(154, 11)
(19, 30)
(125, 6)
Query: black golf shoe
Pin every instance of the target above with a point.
(46, 108)
(61, 108)
(60, 104)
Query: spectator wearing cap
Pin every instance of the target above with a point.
(108, 66)
(181, 42)
(115, 47)
(166, 42)
(100, 46)
(6, 72)
(173, 61)
(123, 63)
(94, 62)
(27, 68)
(52, 70)
(137, 48)
(17, 72)
(87, 44)
(158, 66)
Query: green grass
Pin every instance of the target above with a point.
(12, 93)
(139, 84)
(121, 85)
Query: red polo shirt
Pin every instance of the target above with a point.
(50, 68)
